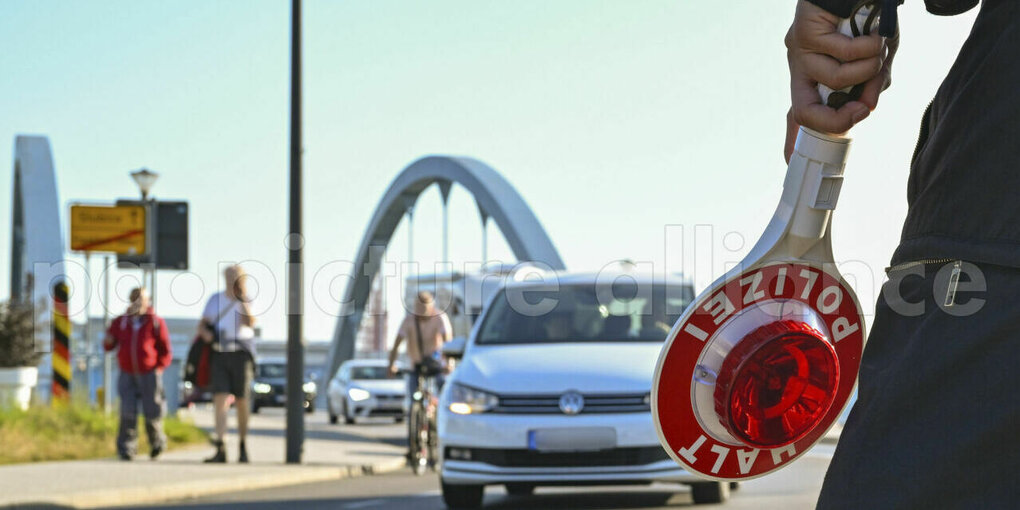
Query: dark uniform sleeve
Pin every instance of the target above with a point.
(949, 7)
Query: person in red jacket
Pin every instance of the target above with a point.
(143, 351)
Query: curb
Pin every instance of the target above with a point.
(279, 476)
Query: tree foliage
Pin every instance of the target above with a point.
(17, 335)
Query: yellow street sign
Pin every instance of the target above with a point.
(110, 228)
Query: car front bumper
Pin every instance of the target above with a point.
(276, 399)
(636, 458)
(375, 405)
(477, 473)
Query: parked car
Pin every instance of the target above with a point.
(553, 388)
(364, 388)
(269, 387)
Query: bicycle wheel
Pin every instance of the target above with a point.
(419, 439)
(433, 437)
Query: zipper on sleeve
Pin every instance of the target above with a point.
(922, 134)
(921, 262)
(954, 277)
(954, 282)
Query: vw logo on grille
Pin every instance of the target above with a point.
(571, 403)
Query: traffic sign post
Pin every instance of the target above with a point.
(167, 236)
(120, 229)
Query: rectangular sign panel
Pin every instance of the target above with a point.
(108, 228)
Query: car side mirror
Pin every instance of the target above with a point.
(455, 348)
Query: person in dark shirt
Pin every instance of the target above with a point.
(935, 423)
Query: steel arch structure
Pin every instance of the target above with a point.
(36, 235)
(37, 243)
(496, 199)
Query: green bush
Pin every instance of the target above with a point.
(75, 432)
(17, 335)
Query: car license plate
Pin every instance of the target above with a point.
(572, 440)
(281, 399)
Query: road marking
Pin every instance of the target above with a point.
(364, 504)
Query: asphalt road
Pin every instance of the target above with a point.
(795, 487)
(272, 421)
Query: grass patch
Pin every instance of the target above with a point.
(75, 432)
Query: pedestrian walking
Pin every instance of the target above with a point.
(143, 352)
(227, 323)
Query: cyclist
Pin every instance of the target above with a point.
(426, 329)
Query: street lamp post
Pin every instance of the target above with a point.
(146, 179)
(295, 340)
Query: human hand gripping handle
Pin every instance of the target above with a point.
(861, 23)
(838, 68)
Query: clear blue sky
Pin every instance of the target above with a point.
(612, 119)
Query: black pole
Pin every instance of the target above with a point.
(295, 284)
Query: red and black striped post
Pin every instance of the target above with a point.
(61, 390)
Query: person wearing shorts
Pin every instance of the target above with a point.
(227, 323)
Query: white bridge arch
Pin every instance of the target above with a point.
(496, 199)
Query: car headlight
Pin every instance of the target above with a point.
(260, 387)
(358, 394)
(308, 387)
(466, 400)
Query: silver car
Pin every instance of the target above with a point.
(364, 388)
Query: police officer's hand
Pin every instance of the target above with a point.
(818, 53)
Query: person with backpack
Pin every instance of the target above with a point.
(143, 352)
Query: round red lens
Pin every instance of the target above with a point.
(776, 385)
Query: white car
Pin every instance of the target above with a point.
(363, 388)
(553, 388)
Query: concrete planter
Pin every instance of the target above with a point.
(16, 386)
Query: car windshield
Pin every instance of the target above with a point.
(371, 373)
(612, 312)
(272, 370)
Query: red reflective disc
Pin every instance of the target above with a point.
(776, 384)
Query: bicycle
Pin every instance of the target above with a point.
(423, 437)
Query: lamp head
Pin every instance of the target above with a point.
(145, 179)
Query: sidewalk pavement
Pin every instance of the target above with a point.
(331, 452)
